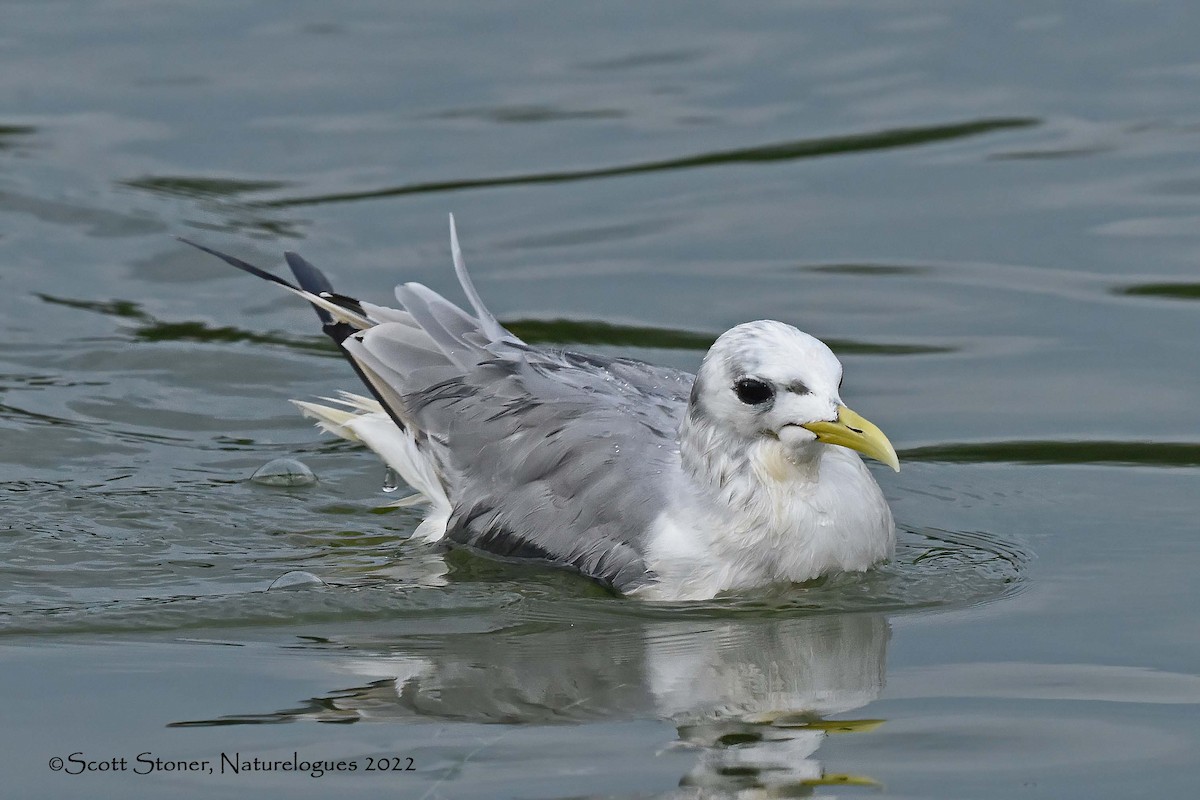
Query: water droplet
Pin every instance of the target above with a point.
(391, 481)
(284, 472)
(616, 448)
(296, 579)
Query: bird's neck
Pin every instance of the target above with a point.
(737, 472)
(757, 513)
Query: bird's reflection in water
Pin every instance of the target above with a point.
(758, 701)
(754, 698)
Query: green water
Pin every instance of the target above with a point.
(990, 211)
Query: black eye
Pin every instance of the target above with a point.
(752, 391)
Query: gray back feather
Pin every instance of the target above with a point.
(557, 457)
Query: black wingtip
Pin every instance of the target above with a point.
(310, 278)
(234, 261)
(313, 280)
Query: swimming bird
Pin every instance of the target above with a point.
(651, 481)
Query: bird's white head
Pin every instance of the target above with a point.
(766, 381)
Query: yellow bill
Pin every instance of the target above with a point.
(851, 430)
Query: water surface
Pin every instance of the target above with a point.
(988, 212)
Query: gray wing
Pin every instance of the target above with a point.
(545, 455)
(558, 456)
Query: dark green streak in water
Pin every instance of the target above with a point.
(182, 186)
(1109, 453)
(154, 330)
(189, 331)
(594, 332)
(851, 347)
(781, 151)
(529, 113)
(10, 135)
(111, 308)
(864, 270)
(1173, 291)
(570, 331)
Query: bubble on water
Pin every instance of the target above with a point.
(284, 472)
(296, 579)
(391, 481)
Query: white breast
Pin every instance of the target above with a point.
(775, 525)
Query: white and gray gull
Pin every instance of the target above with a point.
(649, 480)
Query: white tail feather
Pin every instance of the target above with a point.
(367, 405)
(408, 502)
(339, 313)
(330, 420)
(367, 423)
